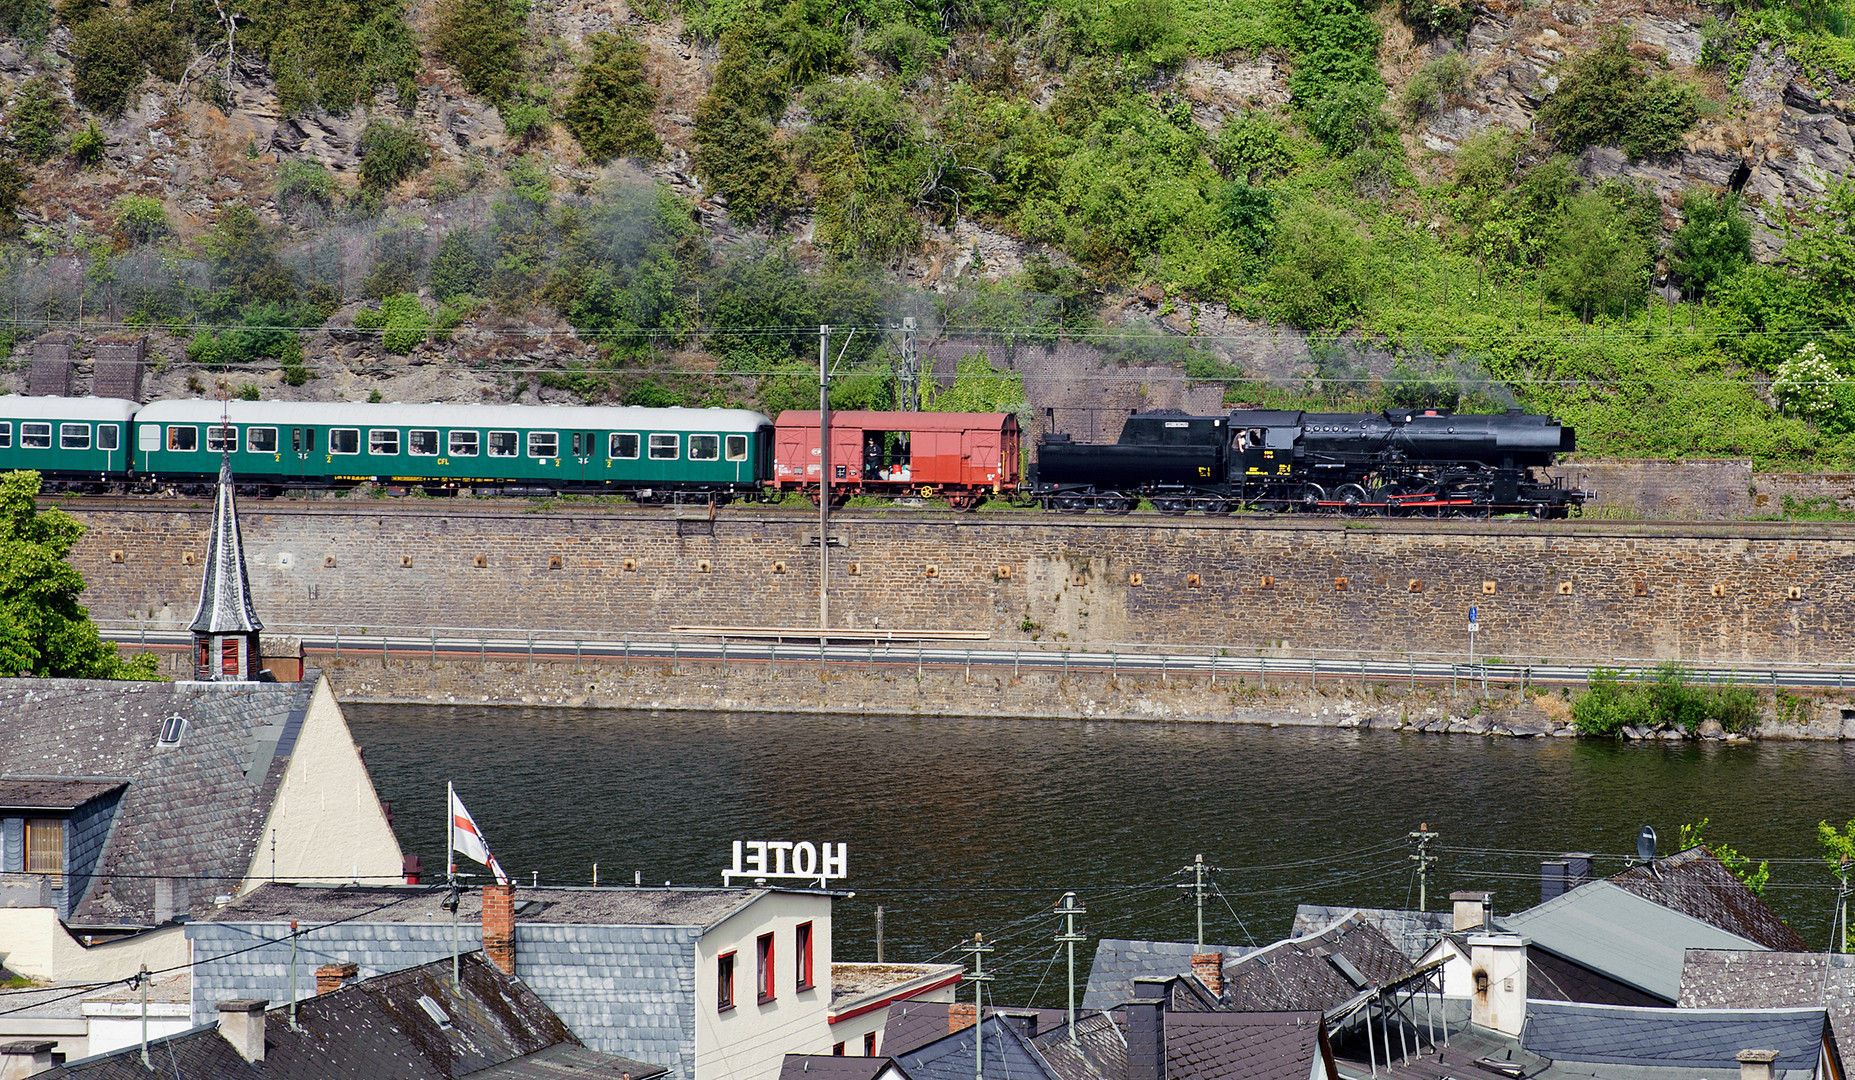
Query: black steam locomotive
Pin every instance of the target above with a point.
(1399, 462)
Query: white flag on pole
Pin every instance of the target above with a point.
(467, 839)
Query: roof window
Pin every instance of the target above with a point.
(434, 1010)
(171, 731)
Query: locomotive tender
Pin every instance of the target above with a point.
(1426, 462)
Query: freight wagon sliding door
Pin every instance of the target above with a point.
(980, 466)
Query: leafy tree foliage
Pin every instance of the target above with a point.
(44, 631)
(610, 110)
(1713, 243)
(331, 54)
(108, 60)
(978, 386)
(483, 40)
(390, 153)
(1755, 877)
(1599, 262)
(1321, 274)
(871, 161)
(34, 120)
(1607, 98)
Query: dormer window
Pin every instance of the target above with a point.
(171, 731)
(45, 848)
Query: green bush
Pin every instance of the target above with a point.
(141, 218)
(332, 53)
(1436, 85)
(461, 266)
(870, 158)
(241, 253)
(1321, 272)
(1608, 705)
(1253, 147)
(610, 109)
(405, 322)
(34, 121)
(1598, 264)
(29, 20)
(1713, 243)
(390, 153)
(87, 146)
(302, 184)
(523, 117)
(107, 61)
(483, 40)
(1607, 98)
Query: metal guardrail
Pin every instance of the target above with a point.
(1218, 662)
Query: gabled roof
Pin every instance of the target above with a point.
(1008, 1055)
(1119, 961)
(408, 1025)
(1691, 1038)
(225, 590)
(914, 1024)
(556, 904)
(1737, 979)
(839, 1067)
(1694, 883)
(192, 810)
(20, 793)
(1413, 932)
(1242, 1046)
(1617, 933)
(1311, 972)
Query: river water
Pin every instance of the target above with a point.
(959, 825)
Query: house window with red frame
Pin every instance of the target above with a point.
(763, 951)
(724, 982)
(805, 955)
(869, 1044)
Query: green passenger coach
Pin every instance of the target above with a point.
(67, 440)
(651, 453)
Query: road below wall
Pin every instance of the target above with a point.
(1730, 594)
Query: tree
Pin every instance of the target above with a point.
(44, 631)
(1741, 866)
(1598, 263)
(1714, 241)
(610, 110)
(1607, 98)
(483, 41)
(1322, 268)
(1838, 854)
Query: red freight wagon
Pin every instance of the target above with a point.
(961, 456)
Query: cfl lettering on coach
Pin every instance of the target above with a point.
(803, 860)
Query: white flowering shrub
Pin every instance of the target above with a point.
(1807, 383)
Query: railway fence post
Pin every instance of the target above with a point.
(917, 661)
(1362, 676)
(338, 644)
(576, 656)
(383, 650)
(1114, 661)
(1213, 665)
(675, 655)
(1065, 665)
(1313, 670)
(1015, 649)
(1413, 667)
(531, 652)
(627, 654)
(482, 654)
(1162, 669)
(434, 659)
(969, 664)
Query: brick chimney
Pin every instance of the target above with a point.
(1209, 969)
(241, 1021)
(332, 977)
(961, 1016)
(1756, 1064)
(1471, 910)
(499, 925)
(1146, 1030)
(27, 1057)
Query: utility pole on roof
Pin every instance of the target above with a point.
(1841, 922)
(1069, 909)
(1198, 870)
(1424, 861)
(979, 948)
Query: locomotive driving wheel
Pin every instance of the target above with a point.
(1388, 495)
(1312, 495)
(1352, 499)
(1175, 507)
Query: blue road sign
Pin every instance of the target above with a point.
(1472, 616)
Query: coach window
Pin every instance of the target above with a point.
(422, 443)
(73, 436)
(664, 447)
(504, 444)
(383, 440)
(35, 436)
(464, 444)
(624, 446)
(108, 436)
(221, 440)
(183, 438)
(260, 440)
(344, 440)
(737, 448)
(303, 440)
(704, 447)
(6, 435)
(544, 444)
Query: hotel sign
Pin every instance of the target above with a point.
(764, 860)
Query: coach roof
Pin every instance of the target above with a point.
(396, 414)
(21, 407)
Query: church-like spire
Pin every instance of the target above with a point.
(225, 631)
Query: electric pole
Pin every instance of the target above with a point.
(908, 371)
(824, 484)
(1198, 869)
(1841, 927)
(1425, 861)
(979, 948)
(879, 933)
(1069, 909)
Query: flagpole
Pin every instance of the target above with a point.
(450, 863)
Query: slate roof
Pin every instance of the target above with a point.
(1737, 979)
(381, 1030)
(1119, 961)
(1008, 1056)
(914, 1024)
(192, 810)
(1242, 1045)
(835, 1067)
(1413, 932)
(1620, 934)
(561, 905)
(225, 590)
(18, 793)
(1302, 973)
(1694, 883)
(1691, 1038)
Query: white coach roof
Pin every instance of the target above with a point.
(396, 414)
(21, 407)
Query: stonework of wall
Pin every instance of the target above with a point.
(1694, 490)
(1835, 490)
(1594, 590)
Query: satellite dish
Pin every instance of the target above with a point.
(1645, 844)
